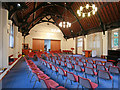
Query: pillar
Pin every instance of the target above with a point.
(16, 42)
(1, 36)
(5, 36)
(105, 43)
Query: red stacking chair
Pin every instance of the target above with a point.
(49, 84)
(89, 71)
(41, 77)
(107, 64)
(90, 65)
(49, 66)
(98, 62)
(114, 69)
(62, 72)
(72, 77)
(31, 54)
(57, 62)
(54, 61)
(83, 60)
(101, 67)
(70, 66)
(54, 68)
(104, 75)
(77, 59)
(81, 63)
(36, 72)
(90, 61)
(63, 64)
(84, 82)
(78, 68)
(73, 62)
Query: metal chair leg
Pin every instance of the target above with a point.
(34, 83)
(63, 77)
(65, 83)
(57, 77)
(78, 86)
(71, 82)
(31, 78)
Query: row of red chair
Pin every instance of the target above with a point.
(88, 70)
(41, 77)
(71, 76)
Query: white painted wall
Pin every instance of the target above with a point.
(94, 42)
(5, 50)
(44, 31)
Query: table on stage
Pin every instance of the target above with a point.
(87, 53)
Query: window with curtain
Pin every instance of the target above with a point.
(11, 36)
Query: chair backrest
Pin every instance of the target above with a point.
(69, 65)
(78, 68)
(107, 64)
(104, 74)
(89, 70)
(77, 58)
(90, 60)
(98, 62)
(80, 63)
(48, 65)
(83, 60)
(53, 60)
(73, 62)
(70, 76)
(44, 84)
(89, 65)
(84, 82)
(45, 63)
(67, 60)
(100, 67)
(62, 63)
(57, 62)
(61, 71)
(114, 69)
(54, 68)
(118, 64)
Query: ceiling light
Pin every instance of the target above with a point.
(81, 8)
(87, 6)
(83, 15)
(65, 24)
(93, 12)
(95, 9)
(93, 6)
(18, 5)
(89, 14)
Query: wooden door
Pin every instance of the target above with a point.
(55, 45)
(38, 44)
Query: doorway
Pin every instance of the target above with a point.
(47, 45)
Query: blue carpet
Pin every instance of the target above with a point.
(18, 78)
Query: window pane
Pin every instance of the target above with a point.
(80, 39)
(80, 44)
(115, 41)
(115, 34)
